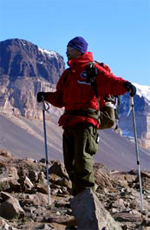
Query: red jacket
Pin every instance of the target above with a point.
(74, 92)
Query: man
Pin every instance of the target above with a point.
(75, 92)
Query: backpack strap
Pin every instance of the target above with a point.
(92, 72)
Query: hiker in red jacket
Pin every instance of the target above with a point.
(74, 92)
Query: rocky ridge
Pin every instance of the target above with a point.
(24, 200)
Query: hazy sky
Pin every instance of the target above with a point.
(117, 31)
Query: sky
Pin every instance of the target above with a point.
(117, 31)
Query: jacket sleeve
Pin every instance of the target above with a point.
(108, 83)
(56, 98)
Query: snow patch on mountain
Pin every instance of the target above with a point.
(143, 91)
(48, 52)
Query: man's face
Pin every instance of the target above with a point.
(72, 53)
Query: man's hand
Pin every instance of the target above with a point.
(40, 96)
(130, 88)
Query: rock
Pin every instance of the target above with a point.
(8, 179)
(28, 184)
(21, 172)
(44, 226)
(123, 178)
(33, 176)
(92, 214)
(61, 219)
(14, 186)
(136, 201)
(5, 196)
(145, 174)
(10, 208)
(4, 184)
(41, 177)
(41, 185)
(37, 199)
(63, 182)
(62, 203)
(127, 216)
(119, 204)
(42, 160)
(8, 227)
(6, 154)
(12, 172)
(5, 226)
(58, 169)
(103, 182)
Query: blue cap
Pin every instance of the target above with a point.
(78, 43)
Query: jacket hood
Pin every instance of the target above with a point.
(84, 59)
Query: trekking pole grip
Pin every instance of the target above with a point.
(43, 103)
(132, 101)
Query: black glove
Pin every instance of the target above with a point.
(130, 88)
(40, 96)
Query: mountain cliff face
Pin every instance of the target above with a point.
(20, 58)
(26, 69)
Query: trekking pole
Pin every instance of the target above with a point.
(46, 153)
(137, 150)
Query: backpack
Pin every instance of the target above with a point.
(107, 115)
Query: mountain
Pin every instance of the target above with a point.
(26, 69)
(142, 115)
(20, 58)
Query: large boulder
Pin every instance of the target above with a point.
(10, 208)
(90, 213)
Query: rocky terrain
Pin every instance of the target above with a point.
(24, 203)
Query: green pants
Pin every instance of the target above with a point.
(79, 145)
